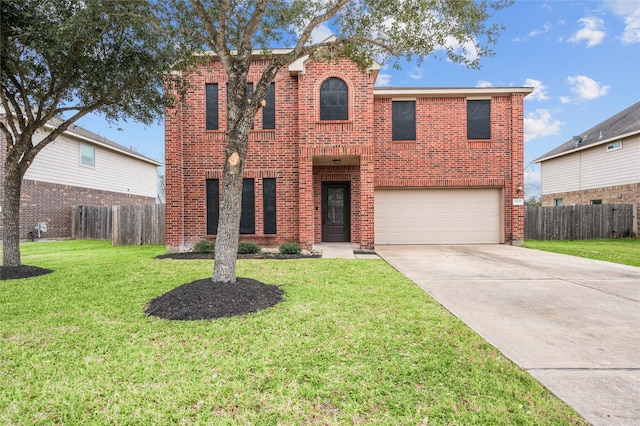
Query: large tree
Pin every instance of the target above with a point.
(365, 30)
(66, 59)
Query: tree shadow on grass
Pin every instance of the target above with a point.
(207, 300)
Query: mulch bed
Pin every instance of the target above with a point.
(207, 300)
(22, 271)
(193, 255)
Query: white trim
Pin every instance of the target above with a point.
(107, 146)
(591, 145)
(483, 92)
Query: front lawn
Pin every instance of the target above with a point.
(621, 250)
(353, 342)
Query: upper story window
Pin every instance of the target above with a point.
(403, 119)
(334, 100)
(479, 119)
(269, 110)
(87, 155)
(211, 106)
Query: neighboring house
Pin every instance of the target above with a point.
(79, 168)
(601, 165)
(333, 159)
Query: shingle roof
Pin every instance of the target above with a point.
(623, 123)
(101, 140)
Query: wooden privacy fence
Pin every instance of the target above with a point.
(123, 225)
(579, 222)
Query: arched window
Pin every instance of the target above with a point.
(334, 100)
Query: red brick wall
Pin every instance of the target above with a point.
(53, 203)
(442, 156)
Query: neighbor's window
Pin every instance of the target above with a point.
(248, 215)
(87, 155)
(211, 106)
(557, 202)
(596, 201)
(613, 146)
(269, 110)
(213, 206)
(479, 119)
(334, 100)
(269, 205)
(403, 119)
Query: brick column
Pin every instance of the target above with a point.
(367, 212)
(305, 200)
(517, 169)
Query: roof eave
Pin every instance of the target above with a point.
(391, 92)
(591, 145)
(108, 146)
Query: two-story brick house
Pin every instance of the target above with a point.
(333, 159)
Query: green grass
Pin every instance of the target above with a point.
(622, 250)
(353, 342)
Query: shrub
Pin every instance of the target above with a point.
(246, 247)
(290, 248)
(204, 246)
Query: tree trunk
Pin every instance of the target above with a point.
(11, 214)
(224, 269)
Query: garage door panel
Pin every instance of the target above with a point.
(437, 216)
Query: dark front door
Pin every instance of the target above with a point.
(336, 212)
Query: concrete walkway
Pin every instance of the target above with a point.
(572, 323)
(343, 251)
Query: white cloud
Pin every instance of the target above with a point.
(539, 124)
(629, 11)
(467, 49)
(586, 88)
(416, 74)
(565, 99)
(592, 31)
(483, 83)
(383, 80)
(539, 90)
(321, 33)
(545, 28)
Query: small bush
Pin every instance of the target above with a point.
(290, 248)
(204, 246)
(247, 247)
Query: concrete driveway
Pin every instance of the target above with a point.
(572, 323)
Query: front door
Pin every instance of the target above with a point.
(336, 212)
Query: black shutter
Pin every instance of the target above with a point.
(211, 106)
(213, 206)
(269, 205)
(479, 119)
(403, 115)
(269, 110)
(248, 217)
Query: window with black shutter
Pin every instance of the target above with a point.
(334, 100)
(213, 206)
(269, 205)
(403, 118)
(269, 110)
(211, 106)
(478, 119)
(248, 217)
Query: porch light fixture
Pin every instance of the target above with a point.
(519, 189)
(336, 161)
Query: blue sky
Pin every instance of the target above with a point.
(582, 57)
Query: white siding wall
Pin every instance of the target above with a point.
(560, 174)
(59, 162)
(593, 168)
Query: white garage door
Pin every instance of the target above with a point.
(437, 216)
